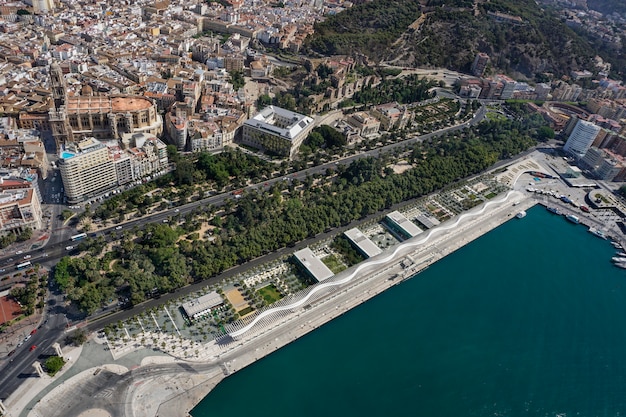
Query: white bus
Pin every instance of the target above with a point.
(23, 265)
(78, 237)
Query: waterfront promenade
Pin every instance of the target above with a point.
(261, 342)
(162, 386)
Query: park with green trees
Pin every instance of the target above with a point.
(32, 294)
(166, 256)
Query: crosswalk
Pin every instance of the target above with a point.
(105, 393)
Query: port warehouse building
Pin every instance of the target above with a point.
(400, 226)
(362, 243)
(312, 265)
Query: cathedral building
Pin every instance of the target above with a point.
(73, 118)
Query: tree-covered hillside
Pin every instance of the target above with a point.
(451, 32)
(369, 27)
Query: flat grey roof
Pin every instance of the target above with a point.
(428, 221)
(313, 264)
(363, 242)
(264, 120)
(203, 303)
(405, 224)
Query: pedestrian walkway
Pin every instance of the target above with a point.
(18, 402)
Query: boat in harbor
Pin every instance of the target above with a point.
(554, 210)
(521, 214)
(621, 254)
(597, 232)
(618, 259)
(572, 218)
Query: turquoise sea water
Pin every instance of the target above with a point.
(529, 320)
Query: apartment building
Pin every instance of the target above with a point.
(90, 167)
(581, 138)
(20, 205)
(87, 169)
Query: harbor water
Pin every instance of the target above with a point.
(528, 320)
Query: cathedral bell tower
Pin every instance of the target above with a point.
(57, 115)
(57, 83)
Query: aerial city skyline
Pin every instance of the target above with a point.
(187, 187)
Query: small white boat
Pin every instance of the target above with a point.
(521, 214)
(597, 232)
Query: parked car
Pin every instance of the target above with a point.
(33, 347)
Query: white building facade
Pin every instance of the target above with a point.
(581, 138)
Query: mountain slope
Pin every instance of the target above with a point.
(520, 38)
(370, 26)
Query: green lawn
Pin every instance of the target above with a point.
(270, 294)
(333, 264)
(495, 116)
(245, 311)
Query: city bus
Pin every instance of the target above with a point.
(78, 237)
(23, 265)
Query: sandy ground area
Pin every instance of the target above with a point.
(95, 412)
(401, 167)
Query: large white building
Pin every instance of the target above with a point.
(581, 138)
(90, 167)
(276, 130)
(312, 265)
(41, 6)
(87, 169)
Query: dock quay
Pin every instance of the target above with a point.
(586, 219)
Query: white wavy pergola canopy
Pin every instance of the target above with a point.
(409, 244)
